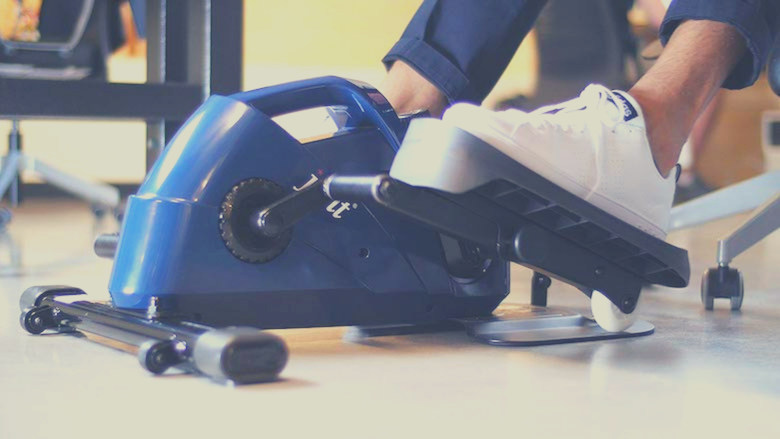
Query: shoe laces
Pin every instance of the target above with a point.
(595, 104)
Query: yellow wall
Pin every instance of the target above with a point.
(335, 33)
(304, 38)
(297, 39)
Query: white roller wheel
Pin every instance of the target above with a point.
(608, 315)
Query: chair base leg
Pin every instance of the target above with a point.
(96, 193)
(729, 201)
(99, 195)
(763, 222)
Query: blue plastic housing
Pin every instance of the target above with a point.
(335, 271)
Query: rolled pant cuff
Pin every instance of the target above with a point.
(747, 20)
(431, 64)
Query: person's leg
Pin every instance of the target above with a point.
(409, 91)
(695, 63)
(455, 50)
(616, 149)
(709, 44)
(690, 185)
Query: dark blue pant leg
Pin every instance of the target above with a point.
(463, 46)
(139, 16)
(756, 20)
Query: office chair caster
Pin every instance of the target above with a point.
(722, 283)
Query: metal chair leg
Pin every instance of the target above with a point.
(16, 162)
(739, 198)
(96, 193)
(763, 222)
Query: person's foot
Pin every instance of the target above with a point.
(410, 92)
(594, 146)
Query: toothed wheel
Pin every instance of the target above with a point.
(608, 315)
(238, 221)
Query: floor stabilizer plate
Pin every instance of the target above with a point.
(515, 325)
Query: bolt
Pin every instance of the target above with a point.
(386, 189)
(600, 271)
(180, 347)
(153, 311)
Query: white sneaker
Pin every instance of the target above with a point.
(594, 146)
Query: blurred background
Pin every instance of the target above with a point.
(285, 41)
(696, 361)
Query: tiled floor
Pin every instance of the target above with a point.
(702, 374)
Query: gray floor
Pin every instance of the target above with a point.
(702, 373)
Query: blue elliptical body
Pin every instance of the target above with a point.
(368, 267)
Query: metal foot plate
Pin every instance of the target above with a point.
(526, 325)
(514, 325)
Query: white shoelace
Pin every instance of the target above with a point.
(593, 104)
(593, 101)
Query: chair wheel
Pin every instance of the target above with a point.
(706, 299)
(722, 283)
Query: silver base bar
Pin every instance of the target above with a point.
(762, 223)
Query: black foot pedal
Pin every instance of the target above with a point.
(473, 192)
